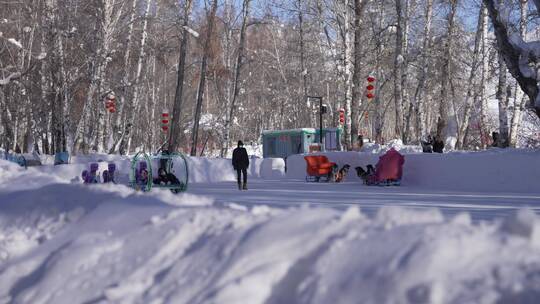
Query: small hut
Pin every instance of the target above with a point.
(282, 143)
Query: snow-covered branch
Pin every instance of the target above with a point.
(10, 78)
(522, 58)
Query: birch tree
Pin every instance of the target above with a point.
(522, 58)
(519, 98)
(359, 7)
(445, 110)
(178, 101)
(200, 90)
(237, 73)
(134, 106)
(472, 91)
(419, 95)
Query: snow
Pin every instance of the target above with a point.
(8, 79)
(15, 42)
(462, 228)
(191, 31)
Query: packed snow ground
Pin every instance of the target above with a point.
(456, 231)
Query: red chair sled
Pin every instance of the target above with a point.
(388, 172)
(319, 166)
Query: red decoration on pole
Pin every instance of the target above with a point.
(110, 102)
(165, 121)
(341, 116)
(370, 94)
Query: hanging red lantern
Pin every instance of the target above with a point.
(370, 94)
(110, 102)
(165, 121)
(341, 116)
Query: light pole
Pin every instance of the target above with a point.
(320, 116)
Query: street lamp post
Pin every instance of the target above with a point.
(320, 116)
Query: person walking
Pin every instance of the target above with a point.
(240, 162)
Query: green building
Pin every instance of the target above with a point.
(282, 143)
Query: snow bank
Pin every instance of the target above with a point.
(67, 243)
(495, 170)
(201, 169)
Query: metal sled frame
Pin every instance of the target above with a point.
(169, 168)
(317, 179)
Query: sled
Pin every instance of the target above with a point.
(144, 171)
(318, 168)
(389, 170)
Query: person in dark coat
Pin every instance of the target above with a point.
(240, 162)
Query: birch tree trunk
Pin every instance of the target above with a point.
(485, 69)
(137, 82)
(200, 91)
(109, 16)
(502, 97)
(445, 129)
(119, 127)
(177, 106)
(310, 117)
(237, 73)
(419, 98)
(349, 49)
(408, 106)
(359, 7)
(398, 71)
(519, 103)
(471, 83)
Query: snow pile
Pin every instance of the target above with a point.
(396, 144)
(69, 243)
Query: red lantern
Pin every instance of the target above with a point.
(165, 121)
(370, 94)
(110, 100)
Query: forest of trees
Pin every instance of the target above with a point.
(228, 69)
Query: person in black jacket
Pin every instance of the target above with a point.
(240, 162)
